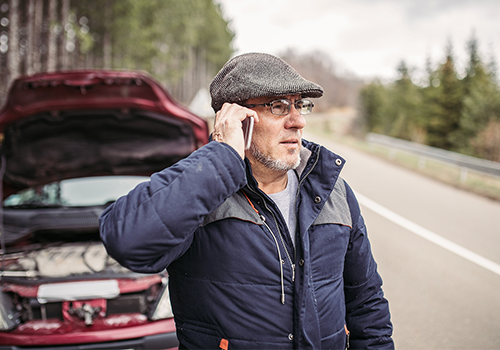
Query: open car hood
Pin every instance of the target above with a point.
(85, 123)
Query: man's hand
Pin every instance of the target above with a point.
(228, 126)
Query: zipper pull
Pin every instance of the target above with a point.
(282, 283)
(348, 334)
(293, 272)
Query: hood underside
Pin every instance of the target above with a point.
(63, 125)
(45, 148)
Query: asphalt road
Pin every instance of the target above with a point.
(437, 249)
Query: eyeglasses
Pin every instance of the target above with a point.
(283, 106)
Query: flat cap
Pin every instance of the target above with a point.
(254, 75)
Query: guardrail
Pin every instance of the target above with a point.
(460, 160)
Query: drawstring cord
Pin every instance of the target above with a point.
(281, 261)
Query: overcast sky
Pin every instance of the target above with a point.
(367, 37)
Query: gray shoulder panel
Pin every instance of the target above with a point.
(236, 206)
(336, 209)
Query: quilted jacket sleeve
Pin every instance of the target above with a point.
(154, 224)
(367, 311)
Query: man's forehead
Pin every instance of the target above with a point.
(266, 99)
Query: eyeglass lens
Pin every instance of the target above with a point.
(282, 107)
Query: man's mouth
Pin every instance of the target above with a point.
(290, 142)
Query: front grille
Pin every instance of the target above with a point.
(37, 311)
(126, 303)
(131, 303)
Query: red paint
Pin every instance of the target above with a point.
(55, 332)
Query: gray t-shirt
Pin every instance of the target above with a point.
(285, 200)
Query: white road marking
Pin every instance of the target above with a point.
(429, 235)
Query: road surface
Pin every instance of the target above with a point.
(437, 249)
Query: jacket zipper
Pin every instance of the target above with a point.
(281, 261)
(286, 250)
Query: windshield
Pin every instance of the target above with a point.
(89, 191)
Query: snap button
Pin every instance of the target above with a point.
(317, 199)
(301, 262)
(290, 336)
(338, 162)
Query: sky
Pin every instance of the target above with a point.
(368, 38)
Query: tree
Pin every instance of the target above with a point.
(444, 121)
(429, 93)
(486, 144)
(373, 101)
(4, 47)
(395, 109)
(54, 30)
(481, 101)
(13, 52)
(406, 121)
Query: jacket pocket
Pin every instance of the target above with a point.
(338, 340)
(197, 335)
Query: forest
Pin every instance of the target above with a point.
(449, 109)
(181, 43)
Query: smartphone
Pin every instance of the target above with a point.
(248, 131)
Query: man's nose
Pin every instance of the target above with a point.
(295, 119)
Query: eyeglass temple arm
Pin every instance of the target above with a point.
(255, 105)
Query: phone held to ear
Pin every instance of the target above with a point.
(248, 131)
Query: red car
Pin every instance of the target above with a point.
(71, 144)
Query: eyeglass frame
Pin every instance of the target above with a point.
(290, 103)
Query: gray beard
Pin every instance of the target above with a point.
(271, 163)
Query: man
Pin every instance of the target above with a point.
(265, 248)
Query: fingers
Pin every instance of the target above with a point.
(237, 111)
(228, 126)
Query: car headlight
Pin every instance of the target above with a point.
(162, 309)
(9, 317)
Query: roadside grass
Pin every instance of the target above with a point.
(468, 180)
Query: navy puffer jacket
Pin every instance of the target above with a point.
(234, 272)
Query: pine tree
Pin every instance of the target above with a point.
(448, 103)
(406, 120)
(373, 101)
(481, 101)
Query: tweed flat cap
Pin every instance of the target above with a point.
(254, 75)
